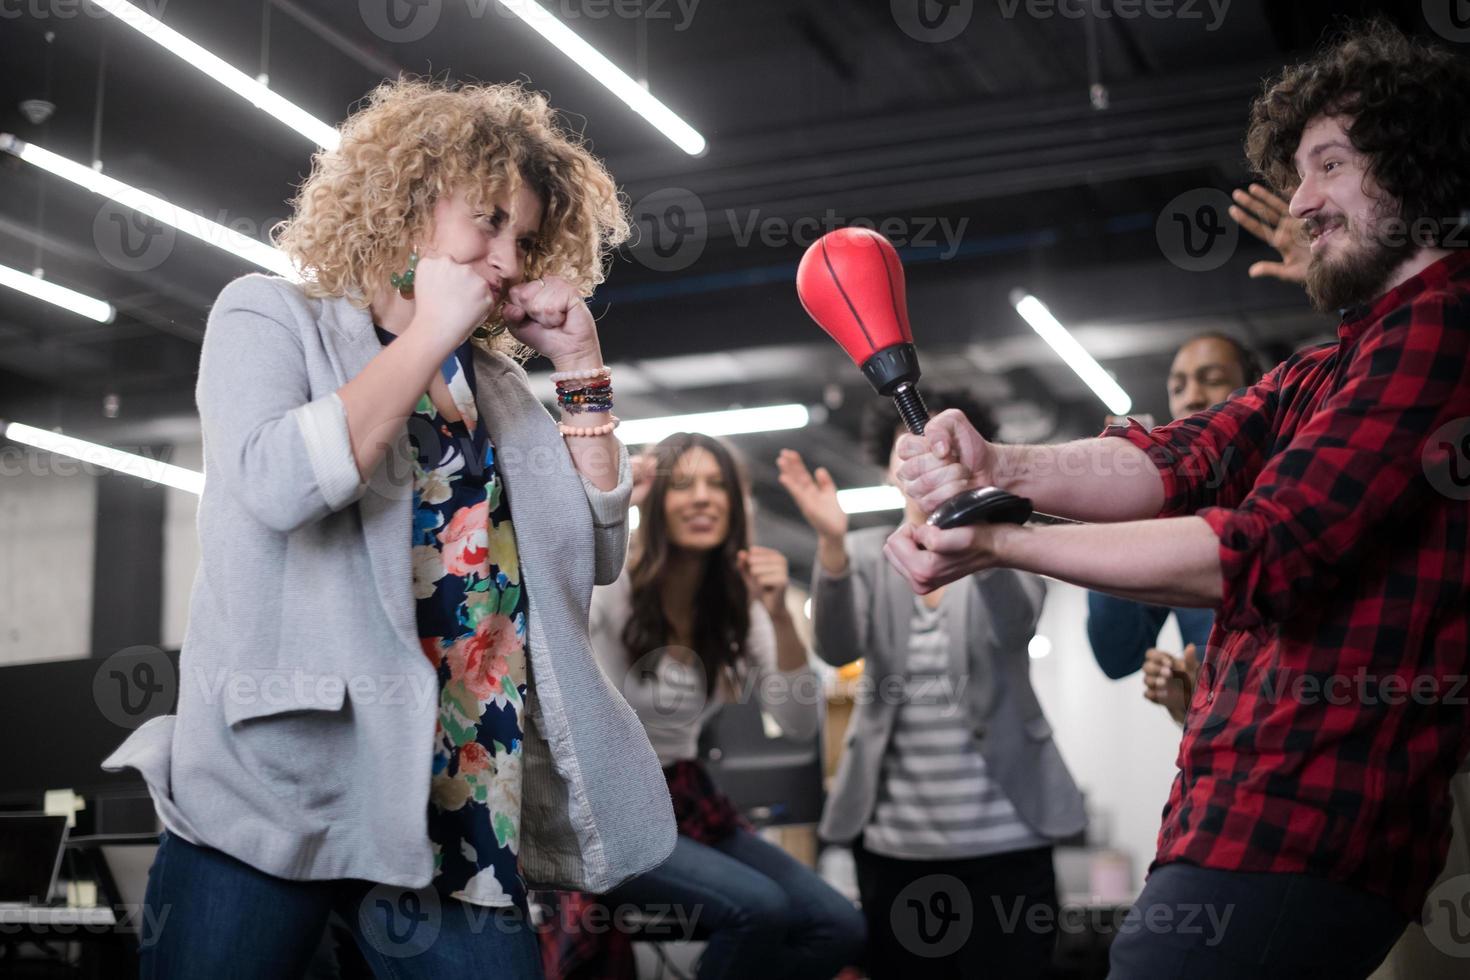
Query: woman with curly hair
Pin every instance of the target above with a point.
(388, 707)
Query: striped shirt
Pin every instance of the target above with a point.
(935, 797)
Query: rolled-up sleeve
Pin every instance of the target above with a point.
(1357, 466)
(1213, 456)
(285, 456)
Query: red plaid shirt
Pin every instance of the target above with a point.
(1332, 706)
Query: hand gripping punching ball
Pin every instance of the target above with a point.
(851, 282)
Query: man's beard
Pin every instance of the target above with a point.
(1359, 274)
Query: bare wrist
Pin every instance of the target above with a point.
(1008, 543)
(581, 361)
(832, 553)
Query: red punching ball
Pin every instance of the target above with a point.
(851, 282)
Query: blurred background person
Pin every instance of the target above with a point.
(1124, 633)
(958, 774)
(699, 619)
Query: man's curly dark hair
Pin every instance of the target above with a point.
(1409, 102)
(881, 424)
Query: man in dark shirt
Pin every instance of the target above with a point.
(1325, 514)
(1205, 371)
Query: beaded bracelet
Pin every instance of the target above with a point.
(597, 430)
(579, 398)
(589, 374)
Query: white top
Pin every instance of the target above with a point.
(666, 687)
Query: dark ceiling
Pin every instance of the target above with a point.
(1032, 149)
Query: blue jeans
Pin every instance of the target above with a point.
(209, 915)
(1193, 923)
(765, 914)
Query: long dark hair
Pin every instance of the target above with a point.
(722, 601)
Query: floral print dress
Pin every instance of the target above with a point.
(471, 609)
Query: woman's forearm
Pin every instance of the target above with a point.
(790, 650)
(380, 398)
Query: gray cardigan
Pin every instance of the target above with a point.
(303, 740)
(866, 611)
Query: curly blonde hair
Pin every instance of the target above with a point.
(415, 141)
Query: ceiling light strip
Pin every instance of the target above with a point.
(221, 71)
(69, 299)
(152, 470)
(609, 75)
(197, 226)
(1034, 312)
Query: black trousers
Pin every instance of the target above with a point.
(1195, 923)
(974, 918)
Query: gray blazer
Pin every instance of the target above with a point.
(304, 735)
(866, 611)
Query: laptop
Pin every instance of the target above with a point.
(31, 845)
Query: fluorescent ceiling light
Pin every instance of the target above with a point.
(863, 500)
(70, 299)
(633, 518)
(228, 239)
(617, 81)
(152, 470)
(221, 71)
(1057, 336)
(772, 418)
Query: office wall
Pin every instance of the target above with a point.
(1120, 748)
(48, 512)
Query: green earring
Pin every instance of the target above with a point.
(404, 282)
(486, 332)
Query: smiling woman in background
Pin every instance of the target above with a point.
(398, 549)
(700, 619)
